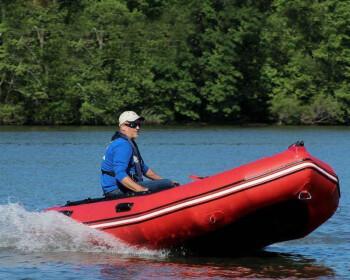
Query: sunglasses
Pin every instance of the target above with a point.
(133, 124)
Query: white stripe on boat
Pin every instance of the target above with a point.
(216, 195)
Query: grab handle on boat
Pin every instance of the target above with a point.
(304, 195)
(297, 144)
(122, 207)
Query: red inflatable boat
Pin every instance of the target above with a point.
(279, 198)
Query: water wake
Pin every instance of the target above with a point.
(53, 232)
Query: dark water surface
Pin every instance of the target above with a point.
(42, 167)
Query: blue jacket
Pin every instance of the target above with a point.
(118, 158)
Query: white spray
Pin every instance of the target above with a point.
(53, 232)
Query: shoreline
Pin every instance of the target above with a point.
(164, 126)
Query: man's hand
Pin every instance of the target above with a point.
(131, 185)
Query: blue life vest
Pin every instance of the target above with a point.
(138, 177)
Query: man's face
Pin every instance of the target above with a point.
(131, 129)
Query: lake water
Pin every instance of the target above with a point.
(42, 167)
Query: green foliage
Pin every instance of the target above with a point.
(320, 110)
(308, 61)
(323, 110)
(286, 110)
(85, 61)
(11, 114)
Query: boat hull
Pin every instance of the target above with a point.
(274, 199)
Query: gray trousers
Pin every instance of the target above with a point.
(153, 186)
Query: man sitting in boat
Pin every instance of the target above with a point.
(123, 167)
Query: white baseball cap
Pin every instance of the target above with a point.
(129, 116)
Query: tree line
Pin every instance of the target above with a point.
(227, 61)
